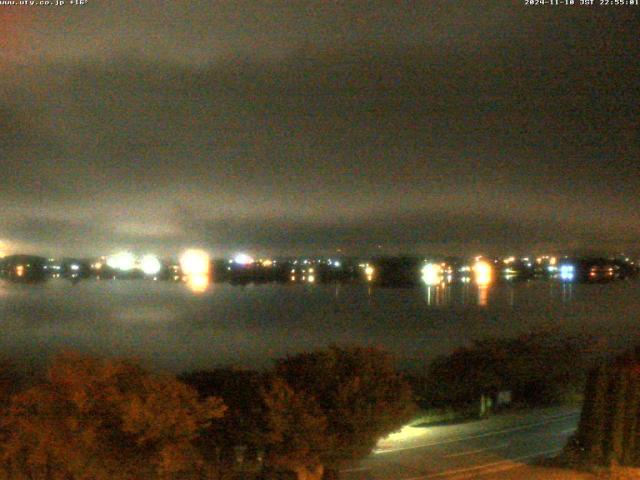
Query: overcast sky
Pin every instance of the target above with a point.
(296, 126)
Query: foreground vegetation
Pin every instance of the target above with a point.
(609, 429)
(536, 369)
(305, 418)
(111, 419)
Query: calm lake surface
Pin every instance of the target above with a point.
(170, 327)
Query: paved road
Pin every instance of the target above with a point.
(481, 449)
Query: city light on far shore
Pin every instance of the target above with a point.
(123, 261)
(195, 262)
(150, 265)
(483, 272)
(243, 259)
(432, 273)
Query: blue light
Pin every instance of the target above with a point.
(567, 272)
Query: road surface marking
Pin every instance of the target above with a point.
(474, 470)
(471, 452)
(557, 418)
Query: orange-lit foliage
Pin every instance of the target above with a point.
(94, 419)
(358, 392)
(295, 434)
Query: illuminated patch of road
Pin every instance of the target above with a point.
(556, 418)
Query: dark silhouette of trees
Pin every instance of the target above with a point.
(610, 419)
(538, 368)
(243, 422)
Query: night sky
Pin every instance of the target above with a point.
(293, 126)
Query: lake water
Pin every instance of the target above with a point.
(170, 327)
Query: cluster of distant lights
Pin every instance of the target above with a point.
(194, 268)
(434, 274)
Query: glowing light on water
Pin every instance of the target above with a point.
(150, 265)
(198, 282)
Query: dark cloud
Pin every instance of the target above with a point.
(309, 125)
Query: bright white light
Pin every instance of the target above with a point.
(567, 272)
(243, 259)
(150, 265)
(432, 274)
(483, 272)
(336, 264)
(195, 262)
(75, 267)
(312, 278)
(368, 270)
(124, 261)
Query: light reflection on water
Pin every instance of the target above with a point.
(170, 326)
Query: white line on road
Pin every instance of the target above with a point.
(557, 418)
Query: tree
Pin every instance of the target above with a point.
(608, 429)
(94, 419)
(243, 423)
(296, 431)
(358, 391)
(538, 368)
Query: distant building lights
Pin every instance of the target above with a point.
(483, 272)
(75, 267)
(567, 273)
(150, 265)
(195, 262)
(124, 261)
(431, 274)
(243, 259)
(336, 264)
(369, 271)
